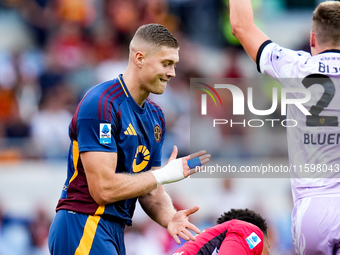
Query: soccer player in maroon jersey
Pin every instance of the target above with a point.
(239, 231)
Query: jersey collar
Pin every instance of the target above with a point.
(331, 50)
(132, 102)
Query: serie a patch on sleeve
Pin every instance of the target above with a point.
(253, 240)
(105, 133)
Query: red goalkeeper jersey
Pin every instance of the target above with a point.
(231, 237)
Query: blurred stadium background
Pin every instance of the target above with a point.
(52, 51)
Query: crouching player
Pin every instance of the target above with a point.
(239, 231)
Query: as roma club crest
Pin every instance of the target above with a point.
(158, 133)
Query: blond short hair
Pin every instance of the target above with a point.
(156, 34)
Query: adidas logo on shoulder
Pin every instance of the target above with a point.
(130, 130)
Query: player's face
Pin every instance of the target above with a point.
(159, 68)
(266, 246)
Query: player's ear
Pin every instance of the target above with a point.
(139, 58)
(312, 39)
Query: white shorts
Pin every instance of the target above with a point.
(316, 226)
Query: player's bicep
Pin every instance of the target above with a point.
(99, 168)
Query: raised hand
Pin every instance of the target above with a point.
(178, 168)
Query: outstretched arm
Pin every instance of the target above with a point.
(244, 28)
(106, 186)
